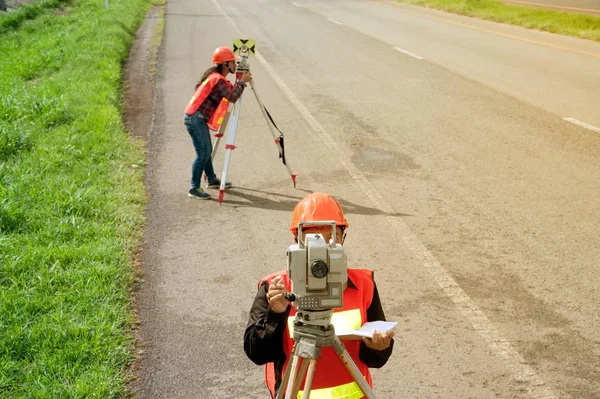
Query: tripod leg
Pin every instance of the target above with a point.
(222, 129)
(264, 112)
(220, 133)
(352, 369)
(229, 146)
(292, 380)
(285, 378)
(309, 378)
(299, 378)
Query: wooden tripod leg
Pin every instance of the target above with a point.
(349, 364)
(300, 378)
(291, 382)
(309, 378)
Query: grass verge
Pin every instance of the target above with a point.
(577, 25)
(71, 204)
(27, 12)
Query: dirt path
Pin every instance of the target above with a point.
(139, 80)
(139, 76)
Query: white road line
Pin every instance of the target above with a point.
(296, 4)
(408, 53)
(334, 21)
(499, 345)
(583, 124)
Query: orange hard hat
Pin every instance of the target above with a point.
(222, 55)
(318, 207)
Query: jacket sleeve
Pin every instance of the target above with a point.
(371, 357)
(231, 95)
(263, 338)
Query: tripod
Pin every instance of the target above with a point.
(244, 47)
(312, 332)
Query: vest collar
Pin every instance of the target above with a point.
(351, 284)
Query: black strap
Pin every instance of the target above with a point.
(282, 155)
(280, 139)
(271, 119)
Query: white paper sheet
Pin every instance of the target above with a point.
(367, 329)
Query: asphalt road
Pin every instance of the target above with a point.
(469, 194)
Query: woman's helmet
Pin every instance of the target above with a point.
(222, 55)
(318, 207)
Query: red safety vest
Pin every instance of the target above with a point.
(332, 380)
(202, 93)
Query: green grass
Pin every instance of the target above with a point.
(577, 25)
(71, 205)
(27, 12)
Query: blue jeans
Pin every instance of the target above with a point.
(196, 127)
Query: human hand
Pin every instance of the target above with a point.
(275, 297)
(379, 341)
(246, 77)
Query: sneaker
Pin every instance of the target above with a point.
(217, 184)
(198, 193)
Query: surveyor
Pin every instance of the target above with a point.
(267, 339)
(205, 109)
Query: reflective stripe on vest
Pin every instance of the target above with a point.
(342, 321)
(346, 391)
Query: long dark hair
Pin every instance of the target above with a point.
(215, 68)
